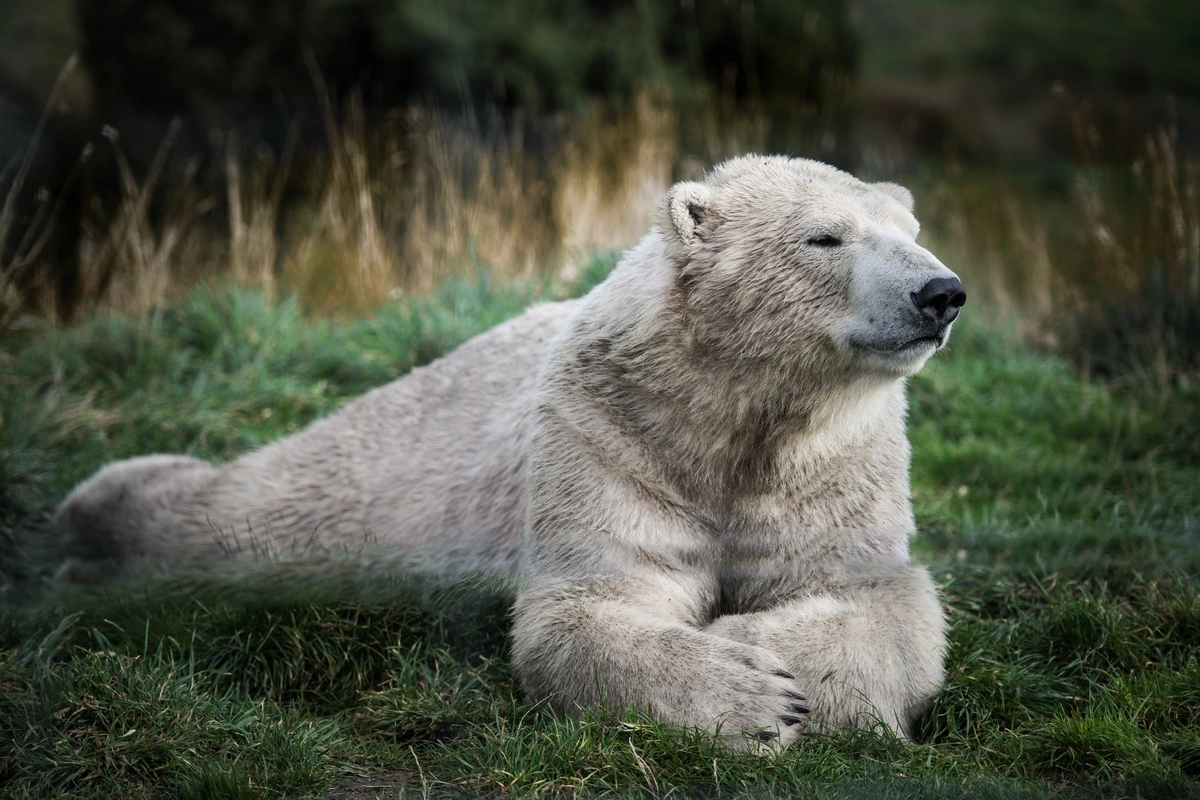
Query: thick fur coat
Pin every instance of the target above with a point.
(699, 471)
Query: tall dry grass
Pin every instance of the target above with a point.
(254, 199)
(1106, 269)
(129, 262)
(377, 214)
(20, 257)
(1139, 276)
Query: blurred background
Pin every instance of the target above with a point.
(351, 152)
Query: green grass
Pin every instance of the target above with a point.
(1061, 519)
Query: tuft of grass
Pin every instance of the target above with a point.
(112, 723)
(1058, 515)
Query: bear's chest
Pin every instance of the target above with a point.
(772, 549)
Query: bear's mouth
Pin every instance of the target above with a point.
(937, 340)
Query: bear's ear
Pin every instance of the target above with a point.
(687, 205)
(897, 192)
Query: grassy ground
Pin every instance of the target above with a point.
(1060, 518)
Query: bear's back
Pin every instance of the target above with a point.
(440, 453)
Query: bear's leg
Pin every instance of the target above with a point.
(868, 651)
(633, 643)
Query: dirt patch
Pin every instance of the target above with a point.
(377, 784)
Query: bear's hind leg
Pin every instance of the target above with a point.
(127, 509)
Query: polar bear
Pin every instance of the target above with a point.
(699, 471)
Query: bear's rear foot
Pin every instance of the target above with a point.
(127, 509)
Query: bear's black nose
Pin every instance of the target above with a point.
(940, 299)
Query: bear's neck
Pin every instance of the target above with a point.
(716, 430)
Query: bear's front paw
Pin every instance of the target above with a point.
(758, 698)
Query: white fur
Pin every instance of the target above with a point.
(699, 470)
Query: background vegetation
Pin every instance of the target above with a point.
(224, 222)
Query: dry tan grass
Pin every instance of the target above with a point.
(1109, 269)
(18, 257)
(612, 174)
(426, 197)
(381, 213)
(343, 252)
(253, 199)
(129, 262)
(1141, 260)
(395, 209)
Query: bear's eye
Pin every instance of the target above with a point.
(825, 241)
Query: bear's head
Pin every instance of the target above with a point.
(797, 264)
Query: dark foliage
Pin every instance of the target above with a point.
(226, 61)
